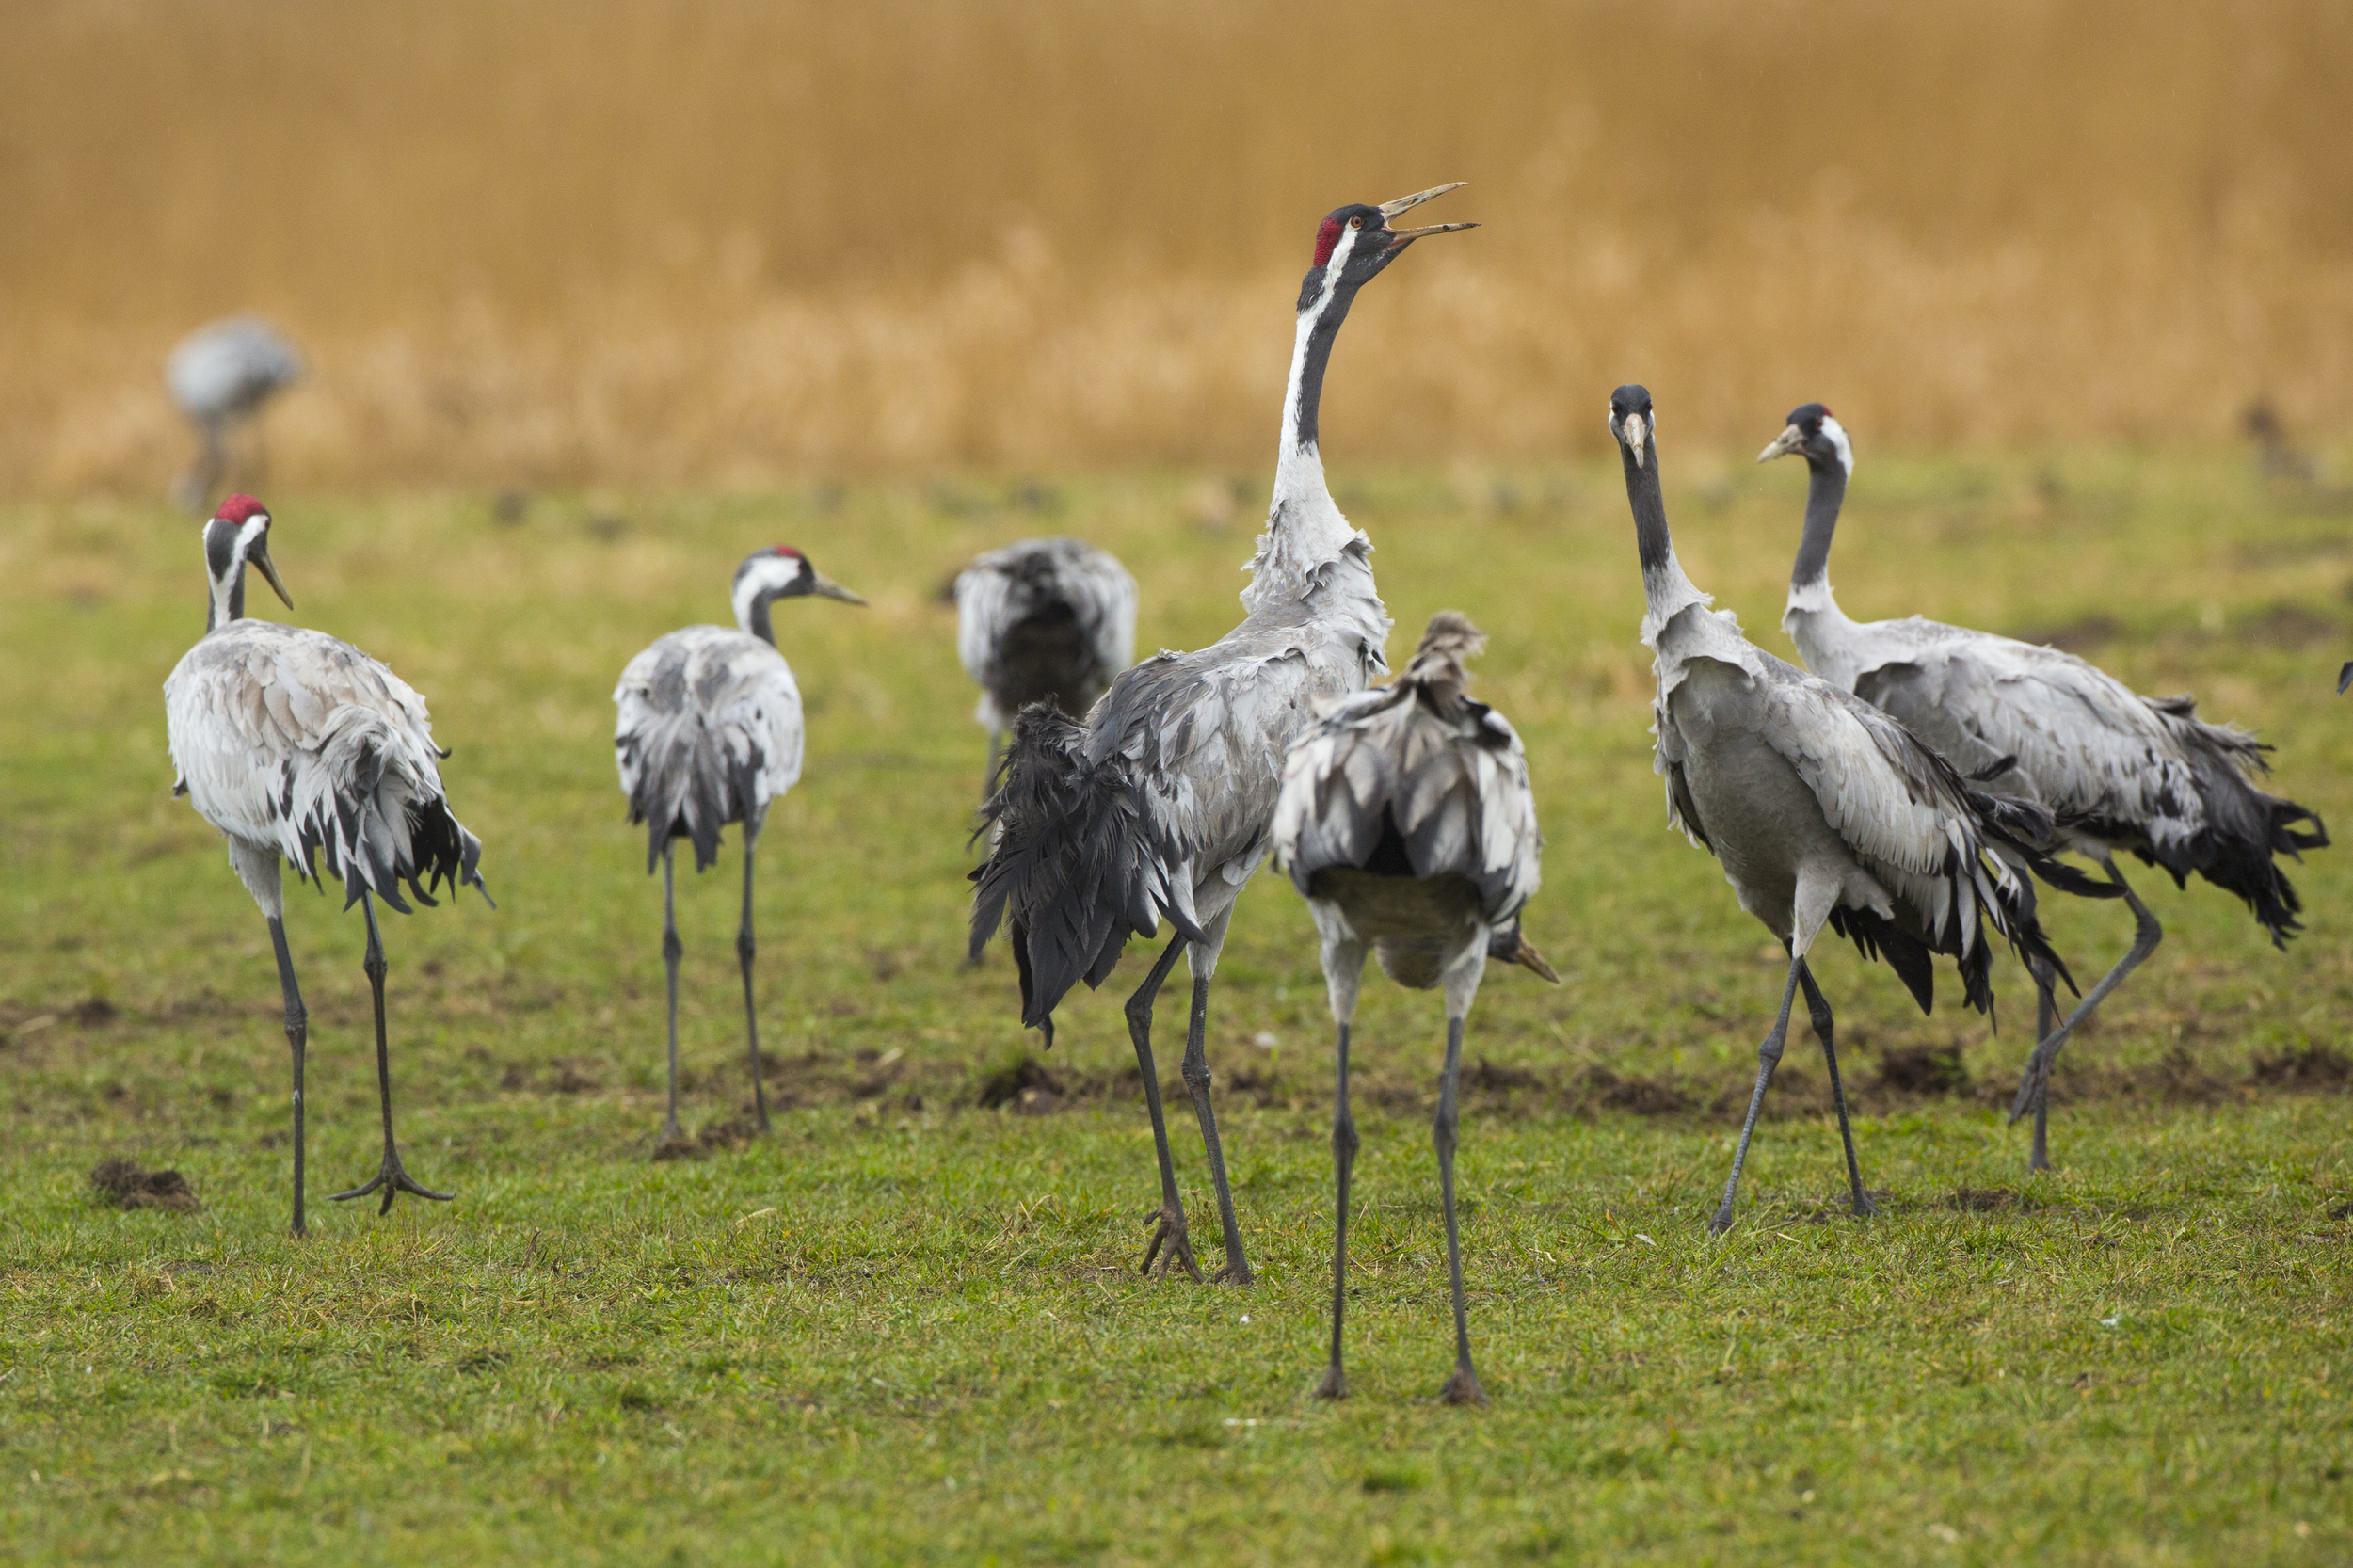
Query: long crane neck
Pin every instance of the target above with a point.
(1665, 588)
(753, 616)
(1823, 498)
(1305, 528)
(224, 564)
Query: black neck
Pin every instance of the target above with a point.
(1309, 393)
(1649, 507)
(762, 627)
(1822, 501)
(223, 564)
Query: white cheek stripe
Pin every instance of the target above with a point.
(1837, 434)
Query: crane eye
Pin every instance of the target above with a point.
(1355, 223)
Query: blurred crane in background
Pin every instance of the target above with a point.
(220, 376)
(1159, 805)
(1043, 620)
(710, 733)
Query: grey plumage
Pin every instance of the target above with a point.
(1822, 809)
(1158, 805)
(1044, 620)
(1406, 818)
(2118, 771)
(301, 749)
(708, 731)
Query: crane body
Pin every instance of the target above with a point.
(1158, 804)
(299, 747)
(709, 732)
(1407, 820)
(2118, 772)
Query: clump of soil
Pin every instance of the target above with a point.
(1029, 1087)
(1982, 1200)
(124, 1184)
(2308, 1068)
(1923, 1070)
(713, 1138)
(1642, 1097)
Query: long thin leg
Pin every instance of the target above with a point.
(389, 1175)
(1169, 1241)
(1768, 1058)
(2034, 1084)
(1344, 1145)
(1196, 1075)
(1818, 1005)
(1462, 1387)
(744, 950)
(672, 951)
(297, 1038)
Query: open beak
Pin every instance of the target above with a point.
(260, 558)
(826, 587)
(1790, 440)
(1399, 238)
(1637, 430)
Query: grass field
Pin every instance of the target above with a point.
(907, 1326)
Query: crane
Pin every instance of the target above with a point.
(1158, 804)
(710, 733)
(2118, 771)
(220, 375)
(1042, 620)
(298, 747)
(1406, 818)
(1823, 811)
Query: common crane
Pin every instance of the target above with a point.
(2116, 770)
(710, 733)
(298, 747)
(219, 375)
(1406, 818)
(1822, 809)
(1158, 804)
(1042, 620)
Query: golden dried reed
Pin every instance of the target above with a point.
(526, 241)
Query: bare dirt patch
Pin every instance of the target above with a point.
(125, 1185)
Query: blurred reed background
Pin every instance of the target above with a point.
(586, 241)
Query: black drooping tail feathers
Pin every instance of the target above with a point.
(2244, 826)
(2012, 829)
(1074, 867)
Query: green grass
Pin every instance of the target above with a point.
(908, 1327)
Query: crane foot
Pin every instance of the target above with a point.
(1171, 1246)
(393, 1179)
(1463, 1388)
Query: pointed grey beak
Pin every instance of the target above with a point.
(1790, 440)
(1406, 203)
(826, 587)
(260, 558)
(1637, 437)
(1399, 238)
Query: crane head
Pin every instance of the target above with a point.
(1356, 242)
(238, 537)
(1631, 422)
(1815, 433)
(779, 571)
